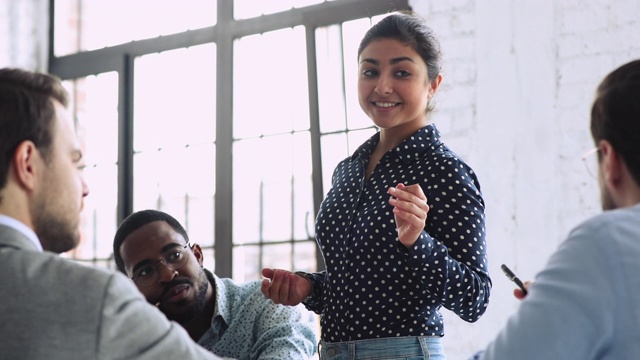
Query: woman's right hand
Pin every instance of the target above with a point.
(284, 287)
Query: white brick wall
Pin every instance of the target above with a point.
(519, 78)
(23, 34)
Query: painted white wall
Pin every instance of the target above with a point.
(519, 78)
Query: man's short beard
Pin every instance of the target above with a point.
(193, 310)
(55, 235)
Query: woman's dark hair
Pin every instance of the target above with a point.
(615, 114)
(412, 30)
(135, 221)
(26, 112)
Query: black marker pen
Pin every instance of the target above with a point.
(513, 278)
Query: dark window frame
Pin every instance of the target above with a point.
(120, 59)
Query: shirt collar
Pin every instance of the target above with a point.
(220, 292)
(22, 228)
(427, 138)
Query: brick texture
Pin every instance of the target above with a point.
(23, 34)
(519, 78)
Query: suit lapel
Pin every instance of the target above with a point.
(10, 237)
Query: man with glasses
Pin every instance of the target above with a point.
(231, 320)
(53, 308)
(585, 303)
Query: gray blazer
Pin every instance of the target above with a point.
(53, 308)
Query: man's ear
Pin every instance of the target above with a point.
(197, 251)
(611, 165)
(26, 159)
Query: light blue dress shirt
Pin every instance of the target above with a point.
(248, 326)
(586, 303)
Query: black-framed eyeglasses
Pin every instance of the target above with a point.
(173, 260)
(591, 162)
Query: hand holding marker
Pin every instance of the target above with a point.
(513, 278)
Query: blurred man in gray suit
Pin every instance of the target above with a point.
(53, 308)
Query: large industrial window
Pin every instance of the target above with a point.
(229, 115)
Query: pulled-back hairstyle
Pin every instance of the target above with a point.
(26, 112)
(410, 29)
(615, 114)
(135, 221)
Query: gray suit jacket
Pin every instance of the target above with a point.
(53, 308)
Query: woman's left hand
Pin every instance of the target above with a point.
(410, 210)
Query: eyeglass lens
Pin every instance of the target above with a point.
(173, 260)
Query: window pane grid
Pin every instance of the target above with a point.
(80, 24)
(273, 172)
(93, 104)
(271, 186)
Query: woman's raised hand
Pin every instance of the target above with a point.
(410, 210)
(285, 287)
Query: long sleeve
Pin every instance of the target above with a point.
(451, 253)
(285, 332)
(584, 304)
(54, 308)
(133, 329)
(249, 326)
(315, 301)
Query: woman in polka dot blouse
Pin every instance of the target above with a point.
(402, 229)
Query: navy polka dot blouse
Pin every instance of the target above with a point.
(373, 285)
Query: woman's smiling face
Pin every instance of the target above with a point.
(393, 85)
